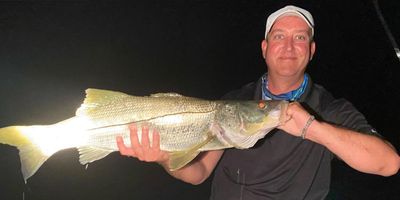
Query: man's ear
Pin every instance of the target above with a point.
(264, 45)
(312, 50)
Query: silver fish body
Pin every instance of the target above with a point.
(187, 126)
(181, 121)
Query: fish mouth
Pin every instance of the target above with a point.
(254, 128)
(283, 117)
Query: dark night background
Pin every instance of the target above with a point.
(51, 51)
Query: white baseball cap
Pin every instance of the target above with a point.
(290, 10)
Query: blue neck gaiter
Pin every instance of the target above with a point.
(290, 96)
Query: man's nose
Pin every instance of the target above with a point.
(289, 44)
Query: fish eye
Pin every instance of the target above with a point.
(262, 104)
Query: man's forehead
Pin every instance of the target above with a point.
(290, 23)
(277, 30)
(292, 19)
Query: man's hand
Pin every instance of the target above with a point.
(145, 151)
(297, 119)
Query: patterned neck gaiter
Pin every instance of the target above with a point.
(290, 96)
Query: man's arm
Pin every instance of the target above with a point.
(365, 153)
(195, 172)
(199, 169)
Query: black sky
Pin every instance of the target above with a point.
(51, 51)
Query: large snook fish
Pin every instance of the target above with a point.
(186, 125)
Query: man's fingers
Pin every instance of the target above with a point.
(135, 145)
(146, 148)
(145, 137)
(123, 149)
(120, 144)
(156, 140)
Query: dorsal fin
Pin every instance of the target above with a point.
(97, 97)
(101, 97)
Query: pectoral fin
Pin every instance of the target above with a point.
(178, 159)
(181, 158)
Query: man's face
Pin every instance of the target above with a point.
(288, 48)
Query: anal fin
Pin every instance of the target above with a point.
(88, 154)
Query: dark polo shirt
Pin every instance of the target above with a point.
(282, 166)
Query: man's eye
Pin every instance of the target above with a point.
(278, 37)
(301, 37)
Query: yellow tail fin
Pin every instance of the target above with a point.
(30, 154)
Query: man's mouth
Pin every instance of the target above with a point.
(288, 58)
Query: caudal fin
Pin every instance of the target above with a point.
(30, 153)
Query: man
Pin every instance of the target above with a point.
(294, 161)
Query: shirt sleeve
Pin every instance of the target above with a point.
(342, 113)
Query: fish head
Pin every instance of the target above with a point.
(256, 116)
(244, 122)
